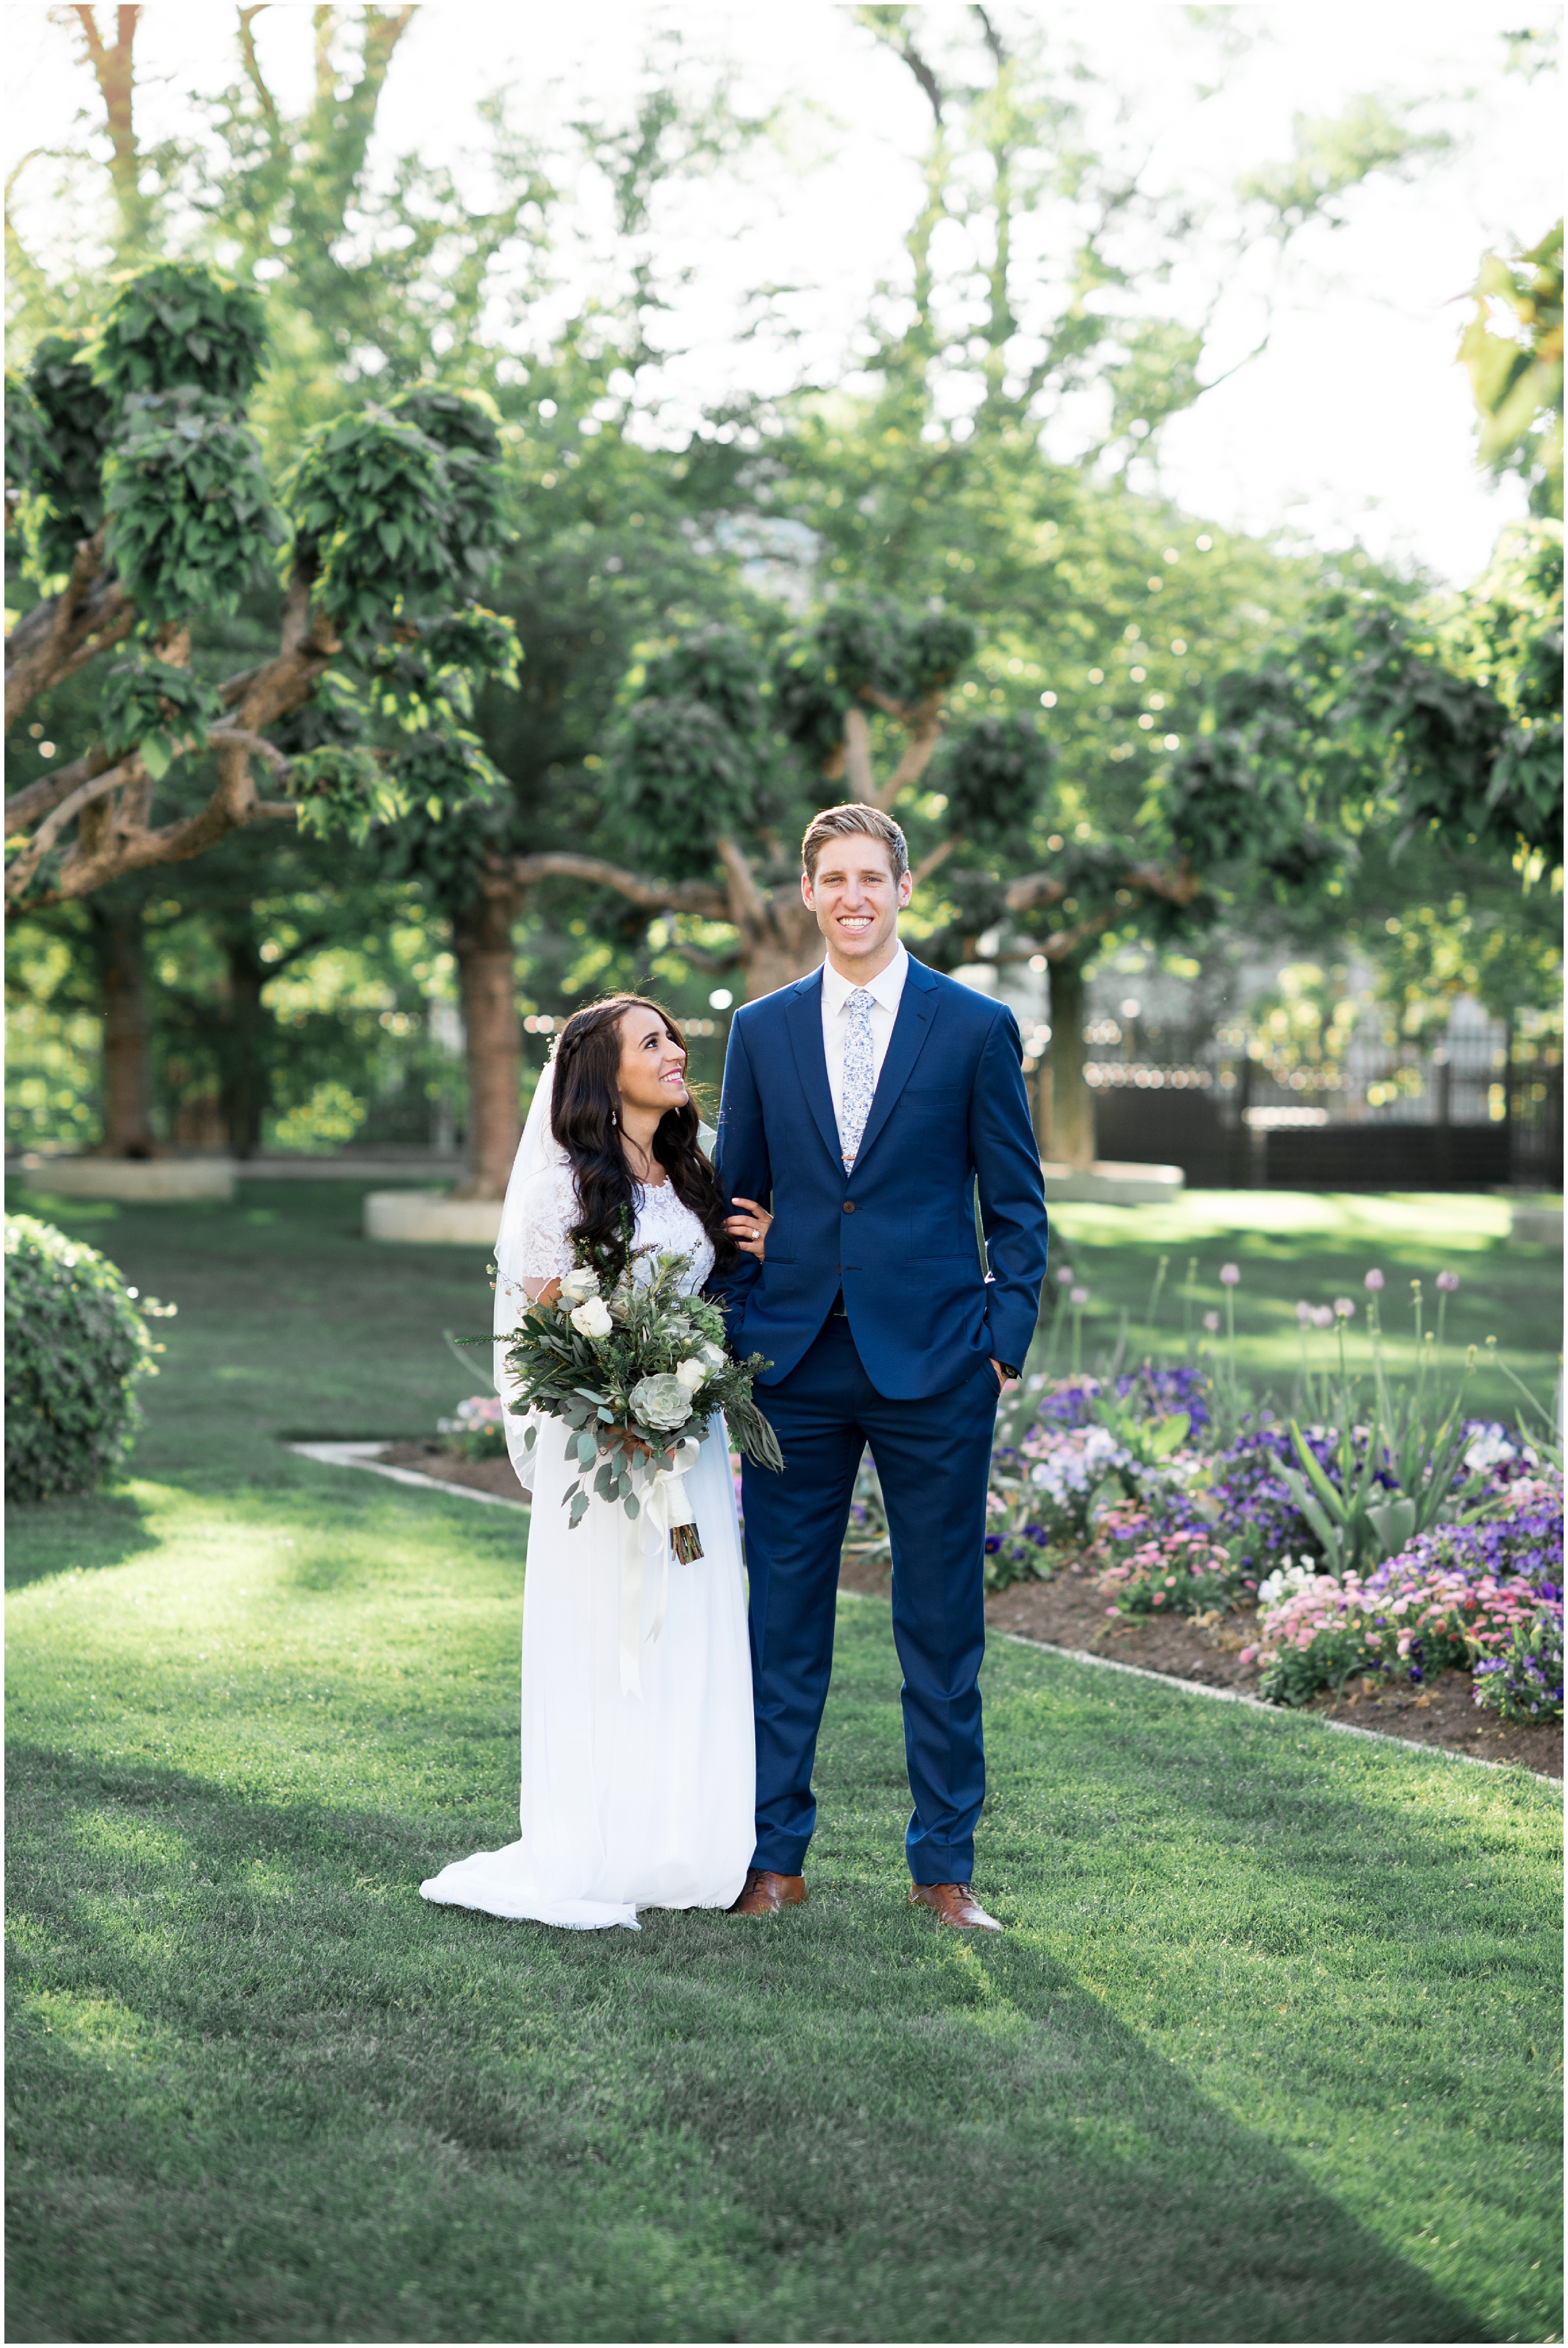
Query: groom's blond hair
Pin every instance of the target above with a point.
(843, 823)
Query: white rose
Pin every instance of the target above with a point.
(592, 1319)
(714, 1356)
(692, 1373)
(580, 1285)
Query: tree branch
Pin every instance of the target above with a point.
(89, 613)
(654, 896)
(993, 39)
(257, 80)
(123, 840)
(929, 864)
(747, 907)
(50, 790)
(857, 756)
(925, 721)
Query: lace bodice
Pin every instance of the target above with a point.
(550, 1209)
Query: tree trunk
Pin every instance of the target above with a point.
(127, 1075)
(1071, 1139)
(790, 947)
(482, 940)
(244, 1079)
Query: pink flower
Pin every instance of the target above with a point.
(1230, 1275)
(1322, 1316)
(1448, 1281)
(1159, 1596)
(1064, 1277)
(1304, 1313)
(1210, 1322)
(1078, 1296)
(1344, 1309)
(1374, 1281)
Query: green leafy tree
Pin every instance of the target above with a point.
(1512, 349)
(930, 484)
(387, 513)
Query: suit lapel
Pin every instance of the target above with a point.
(802, 1016)
(916, 1016)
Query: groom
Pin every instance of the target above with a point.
(872, 1101)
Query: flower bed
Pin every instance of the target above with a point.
(1485, 1597)
(1383, 1540)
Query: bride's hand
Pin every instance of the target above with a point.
(750, 1228)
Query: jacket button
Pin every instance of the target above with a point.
(849, 1206)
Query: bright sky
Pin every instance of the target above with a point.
(1356, 421)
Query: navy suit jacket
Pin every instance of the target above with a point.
(950, 1116)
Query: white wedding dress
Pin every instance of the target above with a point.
(629, 1800)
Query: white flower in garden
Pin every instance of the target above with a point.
(692, 1373)
(1489, 1448)
(1285, 1583)
(1322, 1316)
(592, 1319)
(580, 1284)
(1230, 1275)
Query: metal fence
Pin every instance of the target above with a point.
(1477, 1106)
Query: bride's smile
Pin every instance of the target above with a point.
(651, 1081)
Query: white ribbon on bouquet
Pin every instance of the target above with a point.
(664, 1505)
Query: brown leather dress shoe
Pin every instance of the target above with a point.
(953, 1903)
(765, 1893)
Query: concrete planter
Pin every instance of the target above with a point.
(133, 1181)
(1108, 1183)
(424, 1217)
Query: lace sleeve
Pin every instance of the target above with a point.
(549, 1209)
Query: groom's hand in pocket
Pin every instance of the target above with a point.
(1004, 1384)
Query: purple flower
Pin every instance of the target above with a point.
(1078, 1296)
(1304, 1313)
(1322, 1316)
(1211, 1321)
(1344, 1309)
(1374, 1281)
(1230, 1275)
(1448, 1281)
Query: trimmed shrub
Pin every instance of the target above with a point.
(75, 1345)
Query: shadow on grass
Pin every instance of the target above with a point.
(84, 1532)
(266, 2093)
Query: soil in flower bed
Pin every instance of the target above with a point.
(496, 1475)
(1068, 1611)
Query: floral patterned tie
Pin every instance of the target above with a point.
(859, 1074)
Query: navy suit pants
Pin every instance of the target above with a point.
(933, 1457)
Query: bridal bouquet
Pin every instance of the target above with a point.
(635, 1370)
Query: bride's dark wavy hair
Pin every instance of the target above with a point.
(583, 1112)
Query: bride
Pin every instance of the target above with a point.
(643, 1798)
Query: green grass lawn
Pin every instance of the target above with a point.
(1269, 2051)
(1294, 1245)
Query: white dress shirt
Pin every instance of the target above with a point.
(885, 990)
